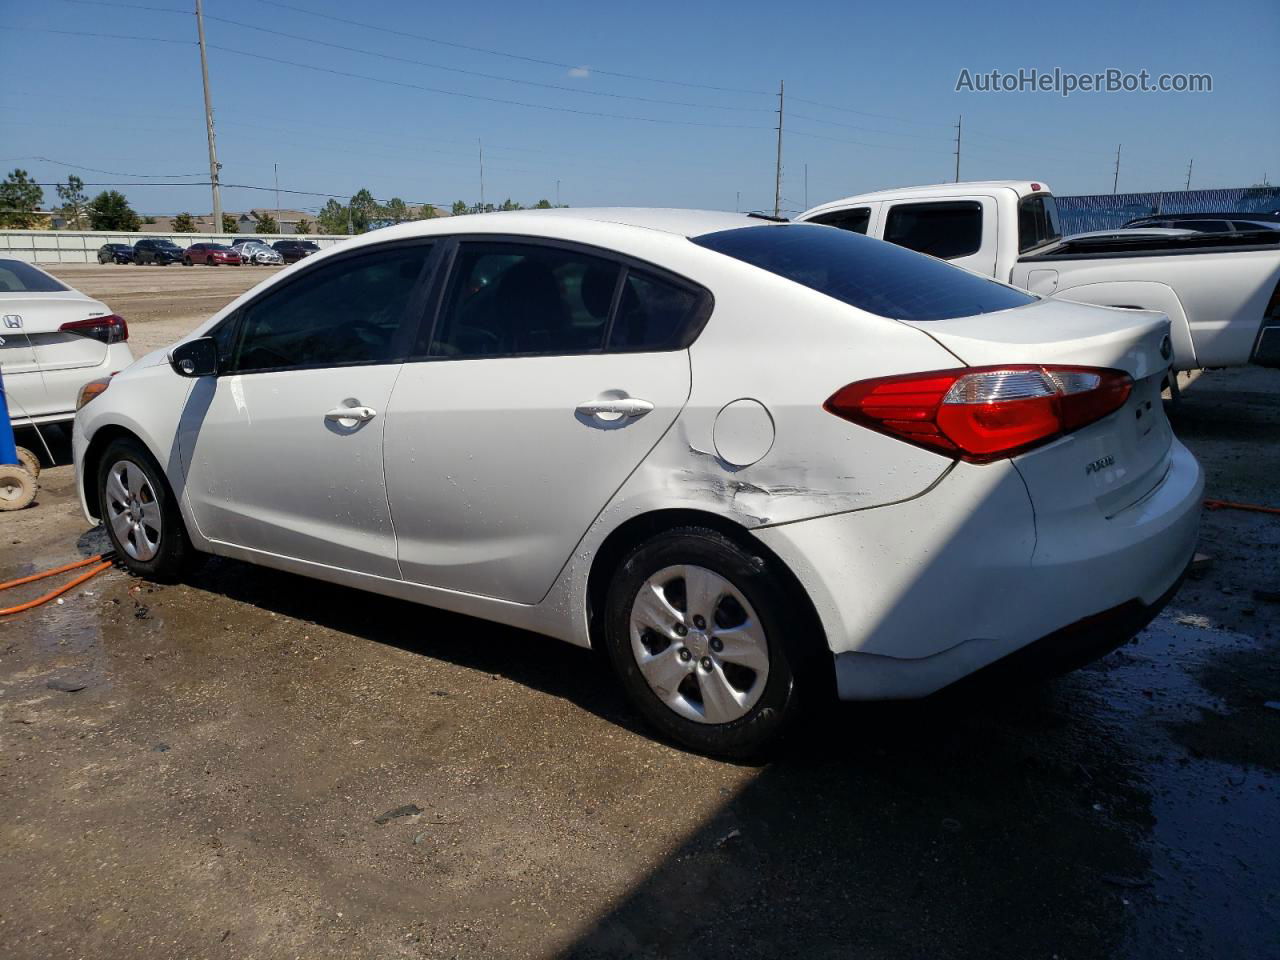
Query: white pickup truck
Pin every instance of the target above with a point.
(1221, 292)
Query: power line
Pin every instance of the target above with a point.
(488, 99)
(112, 173)
(447, 43)
(511, 56)
(486, 76)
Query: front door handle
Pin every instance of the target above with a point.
(610, 410)
(361, 414)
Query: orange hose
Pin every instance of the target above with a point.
(1229, 505)
(75, 582)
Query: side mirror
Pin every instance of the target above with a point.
(195, 358)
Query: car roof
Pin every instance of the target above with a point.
(671, 221)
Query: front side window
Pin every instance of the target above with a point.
(877, 277)
(856, 219)
(944, 230)
(512, 298)
(342, 313)
(1037, 222)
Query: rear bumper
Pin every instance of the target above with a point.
(917, 595)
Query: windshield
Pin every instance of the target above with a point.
(19, 277)
(872, 275)
(1037, 222)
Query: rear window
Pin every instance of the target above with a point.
(945, 230)
(878, 277)
(1037, 222)
(19, 277)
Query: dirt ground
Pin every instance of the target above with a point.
(254, 766)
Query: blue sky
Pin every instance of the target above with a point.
(135, 107)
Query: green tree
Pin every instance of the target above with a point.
(303, 226)
(332, 218)
(75, 204)
(542, 205)
(184, 223)
(459, 208)
(228, 223)
(109, 210)
(396, 211)
(20, 197)
(364, 211)
(266, 223)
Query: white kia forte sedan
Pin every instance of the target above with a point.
(759, 464)
(53, 339)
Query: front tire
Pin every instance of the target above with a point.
(697, 628)
(141, 514)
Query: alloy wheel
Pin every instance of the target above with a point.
(699, 644)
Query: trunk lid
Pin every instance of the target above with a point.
(41, 315)
(1112, 463)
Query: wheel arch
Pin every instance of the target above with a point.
(636, 530)
(92, 460)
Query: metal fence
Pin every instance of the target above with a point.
(1108, 211)
(81, 246)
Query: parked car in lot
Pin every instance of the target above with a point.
(294, 250)
(256, 253)
(53, 340)
(159, 251)
(755, 463)
(211, 254)
(1220, 291)
(115, 253)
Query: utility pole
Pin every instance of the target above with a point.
(959, 123)
(777, 178)
(214, 166)
(1115, 183)
(481, 145)
(275, 169)
(1190, 164)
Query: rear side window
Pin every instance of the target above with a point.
(865, 273)
(19, 277)
(943, 230)
(511, 298)
(345, 312)
(653, 313)
(1037, 222)
(856, 219)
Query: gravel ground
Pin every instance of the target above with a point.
(254, 767)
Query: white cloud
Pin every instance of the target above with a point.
(579, 72)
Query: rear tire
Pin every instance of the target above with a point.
(698, 629)
(141, 515)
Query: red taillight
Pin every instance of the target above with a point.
(109, 330)
(982, 414)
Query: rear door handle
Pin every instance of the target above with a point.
(615, 409)
(361, 414)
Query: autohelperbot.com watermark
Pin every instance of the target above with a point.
(1065, 83)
